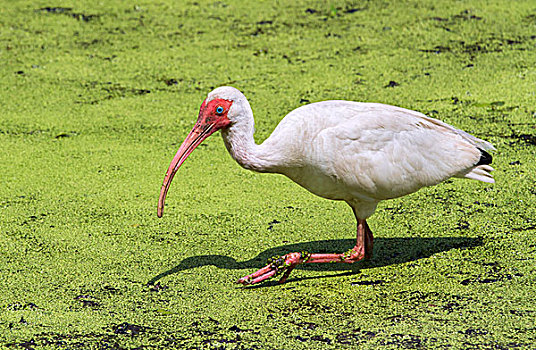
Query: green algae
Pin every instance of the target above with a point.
(97, 96)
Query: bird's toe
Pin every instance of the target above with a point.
(276, 265)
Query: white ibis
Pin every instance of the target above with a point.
(360, 153)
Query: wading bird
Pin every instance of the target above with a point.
(360, 153)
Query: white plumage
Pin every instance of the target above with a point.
(360, 153)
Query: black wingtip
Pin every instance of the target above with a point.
(485, 158)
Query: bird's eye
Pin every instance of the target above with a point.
(219, 110)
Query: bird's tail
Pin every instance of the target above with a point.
(480, 173)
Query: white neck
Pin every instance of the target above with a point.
(239, 142)
(238, 137)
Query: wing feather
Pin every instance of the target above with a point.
(379, 151)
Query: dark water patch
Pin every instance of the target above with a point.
(530, 18)
(355, 9)
(213, 342)
(321, 339)
(522, 139)
(212, 332)
(438, 301)
(20, 306)
(398, 318)
(128, 329)
(492, 44)
(34, 219)
(64, 135)
(56, 9)
(97, 41)
(315, 338)
(68, 11)
(237, 329)
(451, 306)
(407, 341)
(354, 337)
(87, 301)
(487, 46)
(106, 58)
(171, 81)
(110, 90)
(462, 225)
(421, 296)
(307, 306)
(111, 290)
(437, 49)
(368, 283)
(263, 28)
(264, 51)
(527, 138)
(497, 346)
(112, 337)
(488, 205)
(208, 326)
(494, 266)
(493, 104)
(117, 90)
(521, 134)
(527, 227)
(257, 31)
(523, 313)
(21, 131)
(306, 325)
(492, 278)
(73, 341)
(455, 100)
(293, 60)
(464, 15)
(272, 223)
(360, 49)
(157, 287)
(474, 332)
(334, 11)
(27, 345)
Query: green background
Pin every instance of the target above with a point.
(96, 97)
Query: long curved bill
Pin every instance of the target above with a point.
(198, 134)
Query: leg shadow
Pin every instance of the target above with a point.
(387, 251)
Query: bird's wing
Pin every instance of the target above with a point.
(381, 151)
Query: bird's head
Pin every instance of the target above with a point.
(222, 108)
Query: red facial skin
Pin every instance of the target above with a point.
(208, 122)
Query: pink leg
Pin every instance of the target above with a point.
(285, 264)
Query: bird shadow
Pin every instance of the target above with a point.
(387, 251)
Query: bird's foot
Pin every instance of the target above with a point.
(276, 265)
